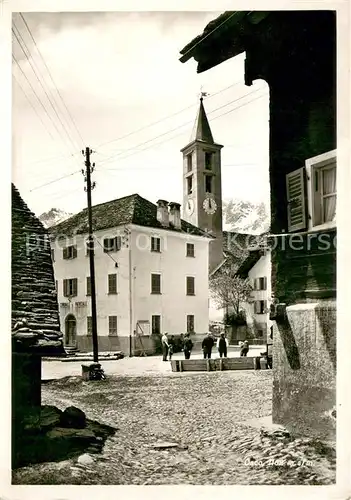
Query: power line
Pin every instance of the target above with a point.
(73, 173)
(55, 180)
(173, 130)
(35, 110)
(165, 118)
(40, 82)
(36, 95)
(49, 72)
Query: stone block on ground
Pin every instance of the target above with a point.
(50, 416)
(164, 445)
(69, 433)
(85, 459)
(73, 417)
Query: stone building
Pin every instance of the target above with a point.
(35, 318)
(151, 273)
(295, 53)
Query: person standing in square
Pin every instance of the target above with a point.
(222, 346)
(165, 346)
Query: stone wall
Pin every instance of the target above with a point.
(304, 354)
(35, 318)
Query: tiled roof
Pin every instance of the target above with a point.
(35, 316)
(132, 209)
(238, 246)
(228, 30)
(253, 257)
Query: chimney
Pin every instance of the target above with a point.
(174, 215)
(162, 212)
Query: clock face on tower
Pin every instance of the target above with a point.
(189, 207)
(209, 205)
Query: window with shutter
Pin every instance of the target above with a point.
(155, 244)
(69, 252)
(155, 283)
(321, 186)
(112, 325)
(74, 287)
(118, 242)
(295, 188)
(112, 244)
(155, 324)
(265, 283)
(190, 323)
(112, 283)
(190, 285)
(190, 250)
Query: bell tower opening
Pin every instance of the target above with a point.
(202, 184)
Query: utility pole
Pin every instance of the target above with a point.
(88, 188)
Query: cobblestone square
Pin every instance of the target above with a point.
(212, 418)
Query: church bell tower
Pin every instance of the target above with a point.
(202, 188)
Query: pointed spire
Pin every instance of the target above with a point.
(201, 130)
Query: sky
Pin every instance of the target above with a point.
(102, 80)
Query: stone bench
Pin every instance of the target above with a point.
(209, 365)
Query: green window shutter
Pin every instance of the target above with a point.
(295, 190)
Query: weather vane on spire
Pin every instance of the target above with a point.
(202, 93)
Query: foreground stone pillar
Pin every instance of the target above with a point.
(304, 367)
(26, 396)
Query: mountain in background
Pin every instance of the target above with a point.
(245, 217)
(238, 216)
(54, 216)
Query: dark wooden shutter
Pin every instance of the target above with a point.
(118, 242)
(88, 285)
(75, 287)
(190, 285)
(74, 252)
(155, 283)
(265, 283)
(64, 253)
(295, 191)
(112, 283)
(106, 245)
(65, 292)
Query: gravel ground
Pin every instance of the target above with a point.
(204, 413)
